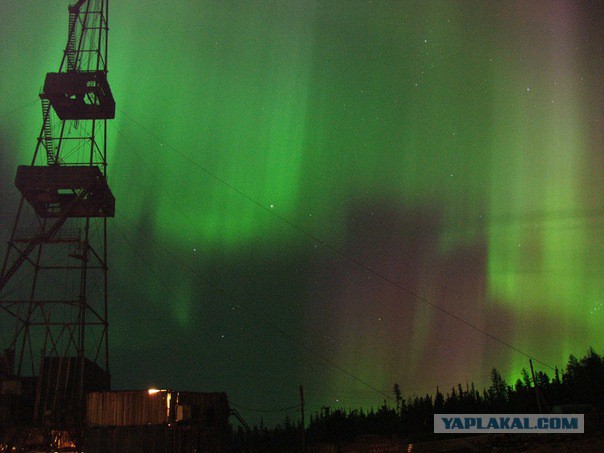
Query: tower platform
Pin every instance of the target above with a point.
(79, 95)
(52, 190)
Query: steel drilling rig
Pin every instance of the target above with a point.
(53, 284)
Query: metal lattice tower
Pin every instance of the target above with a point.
(53, 284)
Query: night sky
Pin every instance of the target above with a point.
(291, 175)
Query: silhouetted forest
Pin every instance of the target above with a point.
(411, 419)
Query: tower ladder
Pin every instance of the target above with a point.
(47, 133)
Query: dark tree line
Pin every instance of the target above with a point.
(582, 382)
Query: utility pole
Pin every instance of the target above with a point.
(536, 388)
(302, 416)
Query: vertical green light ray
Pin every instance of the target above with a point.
(244, 119)
(539, 214)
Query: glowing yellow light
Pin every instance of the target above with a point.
(168, 399)
(153, 391)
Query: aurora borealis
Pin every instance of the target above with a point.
(454, 148)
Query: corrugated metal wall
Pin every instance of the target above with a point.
(143, 421)
(135, 408)
(61, 380)
(127, 408)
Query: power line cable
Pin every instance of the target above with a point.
(270, 323)
(266, 411)
(339, 252)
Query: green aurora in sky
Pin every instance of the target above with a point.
(453, 148)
